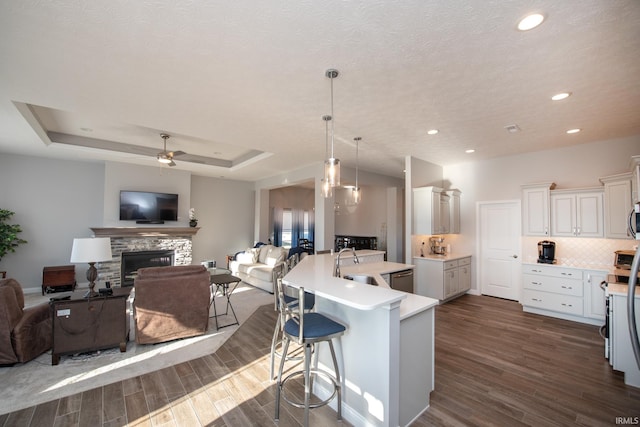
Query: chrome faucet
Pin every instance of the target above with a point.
(336, 271)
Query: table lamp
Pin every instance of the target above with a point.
(91, 250)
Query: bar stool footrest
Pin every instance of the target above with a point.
(318, 372)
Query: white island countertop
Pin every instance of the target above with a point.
(315, 274)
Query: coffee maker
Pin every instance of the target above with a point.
(547, 252)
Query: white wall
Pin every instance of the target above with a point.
(225, 211)
(54, 201)
(368, 218)
(161, 179)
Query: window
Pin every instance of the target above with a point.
(287, 227)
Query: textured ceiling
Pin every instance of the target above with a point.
(230, 80)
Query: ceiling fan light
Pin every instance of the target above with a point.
(162, 158)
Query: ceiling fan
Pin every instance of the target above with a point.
(165, 156)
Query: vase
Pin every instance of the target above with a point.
(193, 223)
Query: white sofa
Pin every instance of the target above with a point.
(257, 266)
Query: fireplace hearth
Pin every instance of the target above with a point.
(132, 261)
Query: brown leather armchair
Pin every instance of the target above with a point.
(25, 333)
(171, 303)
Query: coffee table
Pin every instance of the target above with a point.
(224, 283)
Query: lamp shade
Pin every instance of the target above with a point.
(91, 249)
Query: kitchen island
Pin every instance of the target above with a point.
(386, 357)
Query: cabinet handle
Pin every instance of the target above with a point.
(567, 305)
(567, 274)
(536, 299)
(515, 256)
(567, 287)
(536, 283)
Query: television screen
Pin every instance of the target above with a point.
(143, 206)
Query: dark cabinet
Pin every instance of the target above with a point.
(357, 242)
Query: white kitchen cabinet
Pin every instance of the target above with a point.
(454, 211)
(617, 205)
(594, 297)
(426, 210)
(577, 213)
(535, 208)
(563, 292)
(443, 278)
(553, 289)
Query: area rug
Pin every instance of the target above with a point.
(37, 381)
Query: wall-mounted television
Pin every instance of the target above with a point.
(146, 207)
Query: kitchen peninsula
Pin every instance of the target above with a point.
(386, 356)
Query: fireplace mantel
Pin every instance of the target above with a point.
(143, 231)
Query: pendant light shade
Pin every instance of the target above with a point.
(356, 193)
(332, 165)
(327, 188)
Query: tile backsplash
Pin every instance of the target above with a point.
(578, 252)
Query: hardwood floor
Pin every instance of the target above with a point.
(495, 365)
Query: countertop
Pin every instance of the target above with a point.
(620, 289)
(577, 265)
(447, 257)
(582, 266)
(315, 274)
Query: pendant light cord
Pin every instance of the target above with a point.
(332, 124)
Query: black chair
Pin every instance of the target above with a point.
(307, 330)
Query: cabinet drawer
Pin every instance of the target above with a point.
(549, 301)
(569, 273)
(553, 284)
(464, 261)
(450, 264)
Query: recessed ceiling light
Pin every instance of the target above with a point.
(529, 22)
(433, 132)
(576, 130)
(470, 150)
(512, 128)
(560, 96)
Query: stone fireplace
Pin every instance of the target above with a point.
(175, 242)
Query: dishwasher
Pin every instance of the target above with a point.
(402, 281)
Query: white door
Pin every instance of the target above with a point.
(499, 249)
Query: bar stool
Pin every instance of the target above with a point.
(307, 329)
(290, 303)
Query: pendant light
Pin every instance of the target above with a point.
(327, 189)
(356, 193)
(332, 165)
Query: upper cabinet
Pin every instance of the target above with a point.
(617, 205)
(535, 209)
(454, 211)
(436, 211)
(577, 213)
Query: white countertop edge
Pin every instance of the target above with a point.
(315, 274)
(415, 304)
(620, 289)
(599, 267)
(447, 257)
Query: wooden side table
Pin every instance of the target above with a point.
(89, 324)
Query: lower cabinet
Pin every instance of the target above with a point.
(564, 292)
(443, 278)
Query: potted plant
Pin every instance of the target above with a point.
(193, 221)
(9, 239)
